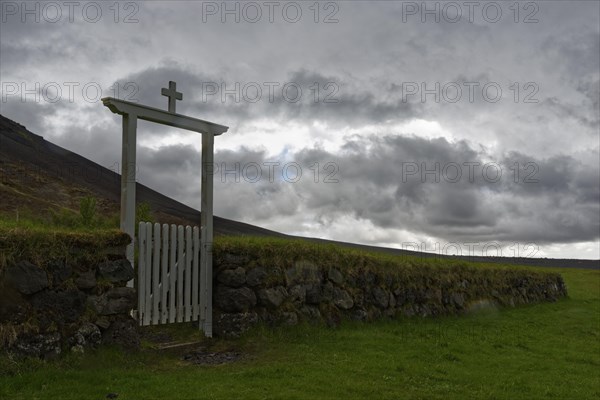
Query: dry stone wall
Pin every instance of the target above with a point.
(248, 291)
(68, 303)
(73, 298)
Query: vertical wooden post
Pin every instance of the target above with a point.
(128, 165)
(206, 239)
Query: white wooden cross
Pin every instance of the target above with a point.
(172, 94)
(131, 112)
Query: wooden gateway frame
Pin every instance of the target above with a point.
(131, 112)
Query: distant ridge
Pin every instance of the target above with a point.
(39, 175)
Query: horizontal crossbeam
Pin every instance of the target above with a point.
(159, 116)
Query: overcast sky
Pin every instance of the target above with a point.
(444, 125)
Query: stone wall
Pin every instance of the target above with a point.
(248, 291)
(68, 302)
(67, 292)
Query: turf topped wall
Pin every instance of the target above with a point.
(64, 291)
(284, 282)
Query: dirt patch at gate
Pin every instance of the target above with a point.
(189, 346)
(207, 357)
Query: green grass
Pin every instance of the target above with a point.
(544, 351)
(85, 219)
(89, 218)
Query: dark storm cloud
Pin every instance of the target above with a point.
(558, 175)
(341, 100)
(521, 207)
(560, 204)
(27, 46)
(591, 90)
(29, 43)
(308, 96)
(578, 53)
(563, 109)
(371, 187)
(576, 56)
(390, 175)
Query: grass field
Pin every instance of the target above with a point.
(545, 351)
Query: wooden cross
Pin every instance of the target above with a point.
(172, 94)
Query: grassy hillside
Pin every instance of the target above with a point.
(41, 179)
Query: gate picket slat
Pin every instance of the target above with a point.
(156, 274)
(195, 276)
(141, 271)
(172, 273)
(148, 275)
(180, 268)
(164, 275)
(188, 273)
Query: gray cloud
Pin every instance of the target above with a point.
(302, 96)
(364, 58)
(561, 203)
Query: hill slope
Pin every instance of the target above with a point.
(38, 175)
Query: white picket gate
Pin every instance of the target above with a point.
(170, 284)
